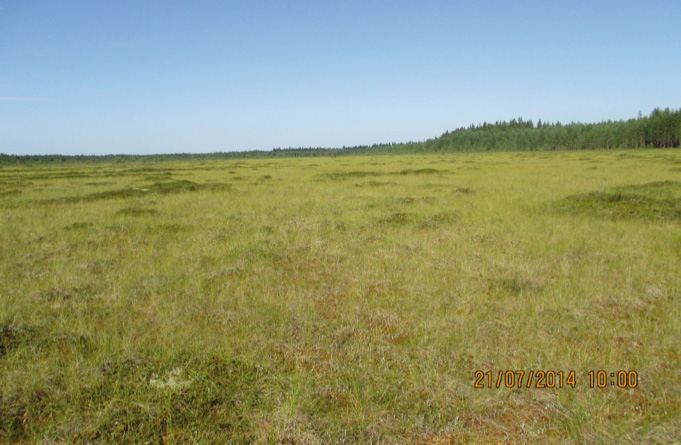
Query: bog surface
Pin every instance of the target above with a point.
(317, 300)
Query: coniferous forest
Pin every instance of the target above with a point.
(662, 128)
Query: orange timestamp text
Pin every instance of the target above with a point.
(553, 379)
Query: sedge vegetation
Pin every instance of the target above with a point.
(341, 299)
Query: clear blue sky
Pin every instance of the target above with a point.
(151, 76)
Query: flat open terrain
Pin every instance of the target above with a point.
(353, 298)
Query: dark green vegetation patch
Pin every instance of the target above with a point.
(160, 188)
(654, 201)
(373, 184)
(349, 175)
(137, 211)
(464, 191)
(513, 286)
(436, 220)
(80, 225)
(14, 337)
(397, 218)
(440, 219)
(364, 174)
(421, 171)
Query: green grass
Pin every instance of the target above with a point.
(351, 299)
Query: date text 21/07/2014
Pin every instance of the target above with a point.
(553, 379)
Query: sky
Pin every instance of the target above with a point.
(171, 76)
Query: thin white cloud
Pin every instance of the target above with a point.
(20, 99)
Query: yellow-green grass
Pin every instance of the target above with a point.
(323, 300)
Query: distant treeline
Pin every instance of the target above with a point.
(661, 129)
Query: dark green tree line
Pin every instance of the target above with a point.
(661, 129)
